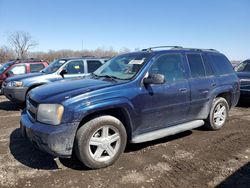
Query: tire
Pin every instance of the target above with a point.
(218, 114)
(100, 141)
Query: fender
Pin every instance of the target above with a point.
(81, 111)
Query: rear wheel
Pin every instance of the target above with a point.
(218, 114)
(100, 142)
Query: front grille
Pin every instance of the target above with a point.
(31, 106)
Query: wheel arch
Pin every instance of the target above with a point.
(117, 112)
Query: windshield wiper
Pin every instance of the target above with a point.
(106, 76)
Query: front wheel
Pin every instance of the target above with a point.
(218, 114)
(100, 141)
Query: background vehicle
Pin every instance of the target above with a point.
(135, 97)
(17, 67)
(16, 89)
(243, 72)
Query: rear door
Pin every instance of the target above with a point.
(202, 82)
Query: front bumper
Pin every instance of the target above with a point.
(15, 94)
(55, 140)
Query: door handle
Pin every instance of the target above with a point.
(204, 92)
(213, 84)
(183, 90)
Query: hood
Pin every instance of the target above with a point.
(245, 75)
(23, 76)
(59, 91)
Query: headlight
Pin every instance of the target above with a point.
(15, 84)
(50, 113)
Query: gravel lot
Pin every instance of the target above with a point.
(195, 158)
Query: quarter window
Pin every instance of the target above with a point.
(196, 65)
(169, 65)
(221, 64)
(93, 65)
(75, 67)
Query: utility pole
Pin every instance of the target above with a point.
(82, 45)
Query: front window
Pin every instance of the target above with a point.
(169, 65)
(75, 67)
(16, 70)
(123, 67)
(54, 66)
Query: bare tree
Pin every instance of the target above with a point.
(6, 54)
(22, 42)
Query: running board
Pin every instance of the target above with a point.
(167, 131)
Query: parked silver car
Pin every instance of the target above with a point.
(16, 88)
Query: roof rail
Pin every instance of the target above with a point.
(88, 56)
(150, 48)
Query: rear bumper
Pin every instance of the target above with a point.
(16, 94)
(55, 140)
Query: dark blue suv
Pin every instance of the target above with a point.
(134, 97)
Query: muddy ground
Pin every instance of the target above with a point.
(195, 158)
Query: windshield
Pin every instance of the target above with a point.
(243, 67)
(123, 67)
(54, 66)
(5, 66)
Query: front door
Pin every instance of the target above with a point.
(165, 104)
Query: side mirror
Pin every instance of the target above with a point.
(154, 79)
(7, 74)
(64, 71)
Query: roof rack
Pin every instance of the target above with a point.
(179, 47)
(200, 49)
(155, 47)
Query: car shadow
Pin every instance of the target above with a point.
(24, 152)
(75, 164)
(243, 103)
(240, 178)
(9, 106)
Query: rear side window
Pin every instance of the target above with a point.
(196, 65)
(207, 65)
(93, 65)
(221, 64)
(36, 67)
